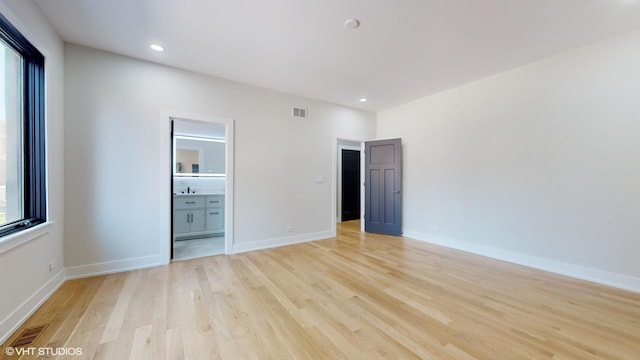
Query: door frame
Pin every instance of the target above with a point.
(166, 178)
(336, 149)
(339, 170)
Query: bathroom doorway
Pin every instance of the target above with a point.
(199, 188)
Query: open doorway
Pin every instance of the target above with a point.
(198, 188)
(350, 187)
(349, 181)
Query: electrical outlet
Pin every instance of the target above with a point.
(291, 228)
(52, 265)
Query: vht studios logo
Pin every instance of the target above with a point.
(43, 351)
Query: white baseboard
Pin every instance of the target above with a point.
(620, 281)
(12, 322)
(282, 241)
(111, 267)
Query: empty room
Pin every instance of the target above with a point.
(288, 179)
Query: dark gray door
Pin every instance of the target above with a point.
(350, 185)
(383, 187)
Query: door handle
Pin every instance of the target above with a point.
(397, 191)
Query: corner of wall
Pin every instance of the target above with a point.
(12, 322)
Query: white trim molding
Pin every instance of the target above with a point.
(282, 241)
(112, 267)
(620, 281)
(12, 322)
(22, 237)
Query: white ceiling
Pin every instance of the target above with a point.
(404, 49)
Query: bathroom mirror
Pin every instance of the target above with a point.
(195, 156)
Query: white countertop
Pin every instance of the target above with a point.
(198, 194)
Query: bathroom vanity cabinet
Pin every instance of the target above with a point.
(198, 215)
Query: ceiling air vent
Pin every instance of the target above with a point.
(299, 112)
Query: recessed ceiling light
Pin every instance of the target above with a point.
(363, 99)
(351, 23)
(156, 47)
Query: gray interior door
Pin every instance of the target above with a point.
(383, 187)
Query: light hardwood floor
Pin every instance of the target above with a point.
(353, 297)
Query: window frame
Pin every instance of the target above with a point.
(33, 131)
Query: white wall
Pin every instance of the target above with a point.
(539, 165)
(113, 141)
(25, 278)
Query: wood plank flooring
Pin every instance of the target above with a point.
(357, 296)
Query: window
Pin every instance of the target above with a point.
(22, 132)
